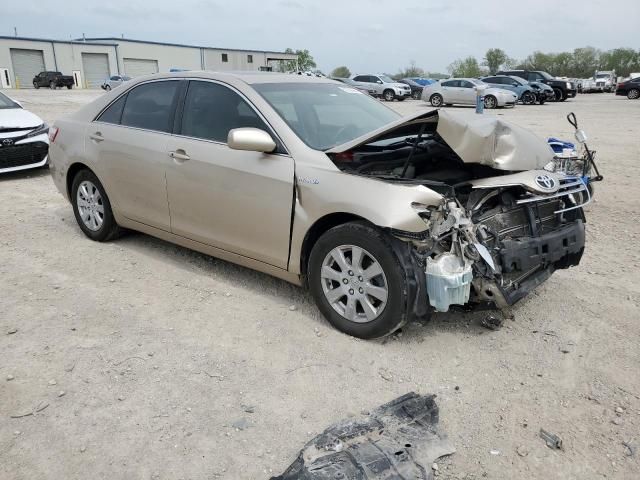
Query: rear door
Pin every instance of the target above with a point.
(449, 90)
(238, 201)
(129, 141)
(467, 92)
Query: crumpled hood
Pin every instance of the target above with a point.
(18, 118)
(489, 140)
(484, 139)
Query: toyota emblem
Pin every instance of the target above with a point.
(7, 142)
(545, 182)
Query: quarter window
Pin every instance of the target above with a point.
(211, 110)
(114, 112)
(151, 106)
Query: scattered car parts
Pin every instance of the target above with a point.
(397, 441)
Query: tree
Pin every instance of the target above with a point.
(411, 71)
(467, 67)
(494, 59)
(341, 72)
(305, 61)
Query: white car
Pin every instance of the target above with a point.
(462, 91)
(24, 139)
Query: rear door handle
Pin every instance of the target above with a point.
(96, 137)
(179, 155)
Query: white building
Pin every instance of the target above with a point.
(92, 60)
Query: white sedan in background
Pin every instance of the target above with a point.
(462, 91)
(24, 140)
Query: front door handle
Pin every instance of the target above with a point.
(96, 137)
(179, 155)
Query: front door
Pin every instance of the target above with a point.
(238, 201)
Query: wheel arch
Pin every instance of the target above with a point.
(316, 230)
(72, 171)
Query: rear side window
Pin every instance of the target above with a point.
(211, 110)
(114, 112)
(361, 78)
(450, 83)
(151, 106)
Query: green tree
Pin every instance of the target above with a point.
(584, 62)
(494, 59)
(467, 67)
(411, 71)
(341, 72)
(305, 61)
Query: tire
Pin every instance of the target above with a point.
(633, 94)
(107, 88)
(528, 98)
(69, 87)
(490, 102)
(416, 95)
(558, 93)
(376, 249)
(388, 95)
(100, 231)
(402, 99)
(52, 85)
(436, 100)
(36, 85)
(541, 100)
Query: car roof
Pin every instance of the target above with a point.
(246, 77)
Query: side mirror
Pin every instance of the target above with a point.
(515, 84)
(250, 139)
(379, 81)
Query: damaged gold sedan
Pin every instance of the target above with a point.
(384, 218)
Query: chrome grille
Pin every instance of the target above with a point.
(574, 188)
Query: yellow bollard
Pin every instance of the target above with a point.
(17, 83)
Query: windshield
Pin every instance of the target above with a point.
(546, 75)
(324, 115)
(603, 75)
(386, 79)
(519, 80)
(6, 102)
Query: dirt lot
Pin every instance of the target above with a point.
(147, 354)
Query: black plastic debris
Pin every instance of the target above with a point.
(552, 440)
(492, 323)
(399, 440)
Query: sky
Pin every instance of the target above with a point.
(366, 36)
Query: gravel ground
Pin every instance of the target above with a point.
(141, 355)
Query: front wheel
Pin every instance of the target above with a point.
(92, 208)
(389, 95)
(490, 102)
(416, 95)
(36, 85)
(436, 100)
(558, 94)
(633, 94)
(357, 281)
(528, 98)
(69, 87)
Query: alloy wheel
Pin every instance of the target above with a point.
(389, 95)
(633, 94)
(354, 283)
(90, 206)
(490, 102)
(436, 100)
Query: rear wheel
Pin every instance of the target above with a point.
(416, 95)
(490, 102)
(69, 87)
(36, 85)
(388, 95)
(92, 208)
(357, 281)
(107, 88)
(633, 94)
(436, 100)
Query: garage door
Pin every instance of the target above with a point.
(135, 67)
(26, 65)
(96, 68)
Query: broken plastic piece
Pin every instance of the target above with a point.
(399, 440)
(552, 441)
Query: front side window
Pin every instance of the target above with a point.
(466, 84)
(450, 83)
(211, 110)
(324, 115)
(115, 78)
(7, 103)
(151, 106)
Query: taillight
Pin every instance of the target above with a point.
(53, 133)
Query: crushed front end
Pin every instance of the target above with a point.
(491, 242)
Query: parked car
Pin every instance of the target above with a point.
(526, 94)
(588, 85)
(262, 170)
(53, 80)
(24, 142)
(563, 89)
(544, 92)
(423, 81)
(416, 88)
(355, 85)
(383, 86)
(462, 91)
(630, 88)
(114, 81)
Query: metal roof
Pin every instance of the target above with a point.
(150, 42)
(49, 40)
